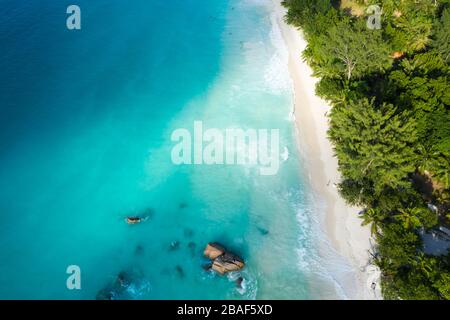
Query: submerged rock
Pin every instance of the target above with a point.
(182, 205)
(207, 266)
(239, 282)
(179, 271)
(188, 232)
(105, 294)
(123, 279)
(118, 289)
(139, 250)
(192, 246)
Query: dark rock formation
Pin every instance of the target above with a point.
(105, 294)
(117, 289)
(123, 279)
(239, 282)
(207, 266)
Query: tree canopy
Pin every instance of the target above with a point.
(390, 126)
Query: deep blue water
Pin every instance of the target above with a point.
(85, 124)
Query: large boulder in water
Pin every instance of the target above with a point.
(223, 261)
(227, 262)
(213, 250)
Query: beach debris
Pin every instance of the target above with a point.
(223, 261)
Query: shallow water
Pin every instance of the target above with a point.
(86, 120)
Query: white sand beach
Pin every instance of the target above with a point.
(343, 226)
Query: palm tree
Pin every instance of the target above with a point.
(409, 217)
(423, 263)
(374, 217)
(416, 31)
(426, 158)
(442, 174)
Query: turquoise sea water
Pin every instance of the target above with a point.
(86, 119)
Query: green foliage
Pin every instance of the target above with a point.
(390, 122)
(422, 85)
(396, 246)
(374, 143)
(443, 285)
(441, 37)
(349, 50)
(413, 218)
(411, 285)
(374, 218)
(309, 13)
(409, 23)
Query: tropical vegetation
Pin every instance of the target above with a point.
(390, 125)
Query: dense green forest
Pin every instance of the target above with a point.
(390, 125)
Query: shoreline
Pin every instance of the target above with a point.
(342, 224)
